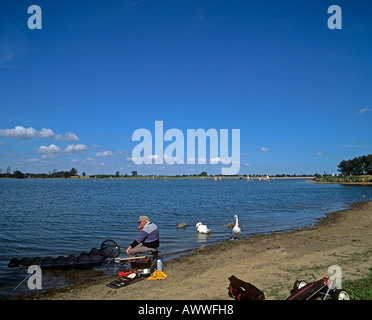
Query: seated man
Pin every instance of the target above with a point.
(148, 239)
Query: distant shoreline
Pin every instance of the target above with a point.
(191, 177)
(163, 178)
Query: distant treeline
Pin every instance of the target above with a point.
(73, 174)
(54, 174)
(358, 166)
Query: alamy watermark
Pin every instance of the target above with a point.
(335, 275)
(174, 153)
(34, 277)
(35, 20)
(335, 20)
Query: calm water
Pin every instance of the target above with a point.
(61, 217)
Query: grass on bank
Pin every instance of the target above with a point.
(360, 289)
(344, 179)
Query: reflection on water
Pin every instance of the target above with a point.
(202, 237)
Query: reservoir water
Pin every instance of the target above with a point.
(46, 217)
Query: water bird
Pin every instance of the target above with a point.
(230, 225)
(202, 228)
(236, 230)
(182, 224)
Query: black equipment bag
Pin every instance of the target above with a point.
(241, 290)
(309, 291)
(149, 262)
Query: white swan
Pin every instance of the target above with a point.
(202, 228)
(236, 230)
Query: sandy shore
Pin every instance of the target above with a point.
(270, 262)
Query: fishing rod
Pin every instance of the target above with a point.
(33, 272)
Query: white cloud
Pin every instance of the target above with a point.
(219, 160)
(53, 150)
(197, 160)
(364, 110)
(20, 132)
(319, 154)
(68, 137)
(105, 154)
(263, 149)
(74, 148)
(44, 133)
(153, 157)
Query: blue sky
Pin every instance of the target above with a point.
(73, 93)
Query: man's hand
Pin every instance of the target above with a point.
(127, 251)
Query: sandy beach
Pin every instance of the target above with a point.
(271, 262)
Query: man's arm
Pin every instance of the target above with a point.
(142, 236)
